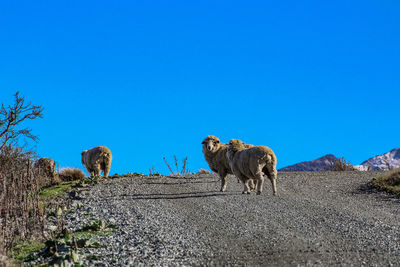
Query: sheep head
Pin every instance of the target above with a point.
(234, 146)
(211, 144)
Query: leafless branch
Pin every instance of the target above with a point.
(13, 115)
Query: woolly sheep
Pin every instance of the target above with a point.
(46, 166)
(97, 159)
(215, 155)
(252, 163)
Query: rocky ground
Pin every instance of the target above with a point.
(321, 218)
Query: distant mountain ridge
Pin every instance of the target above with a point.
(381, 162)
(321, 164)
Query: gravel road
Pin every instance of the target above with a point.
(319, 218)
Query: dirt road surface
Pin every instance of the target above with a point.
(317, 219)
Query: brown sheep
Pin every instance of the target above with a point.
(46, 171)
(97, 159)
(252, 163)
(46, 166)
(215, 155)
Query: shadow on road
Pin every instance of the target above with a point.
(179, 183)
(368, 189)
(181, 195)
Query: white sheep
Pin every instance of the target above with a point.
(251, 164)
(97, 159)
(215, 155)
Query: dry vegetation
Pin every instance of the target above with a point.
(179, 171)
(25, 206)
(389, 182)
(25, 198)
(341, 164)
(203, 171)
(71, 174)
(21, 215)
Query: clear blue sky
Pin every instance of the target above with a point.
(151, 79)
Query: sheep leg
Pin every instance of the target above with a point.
(246, 189)
(273, 181)
(272, 174)
(106, 170)
(260, 183)
(223, 175)
(253, 184)
(96, 169)
(90, 171)
(259, 179)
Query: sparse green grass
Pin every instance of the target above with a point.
(22, 251)
(55, 191)
(29, 250)
(89, 234)
(389, 182)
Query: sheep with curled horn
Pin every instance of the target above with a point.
(252, 164)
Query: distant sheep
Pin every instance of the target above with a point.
(215, 155)
(252, 163)
(47, 166)
(97, 159)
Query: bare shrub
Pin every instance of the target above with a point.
(20, 212)
(12, 116)
(71, 174)
(169, 167)
(152, 172)
(341, 164)
(19, 198)
(184, 169)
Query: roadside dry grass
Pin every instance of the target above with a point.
(71, 174)
(389, 182)
(341, 164)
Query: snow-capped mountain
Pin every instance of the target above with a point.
(381, 162)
